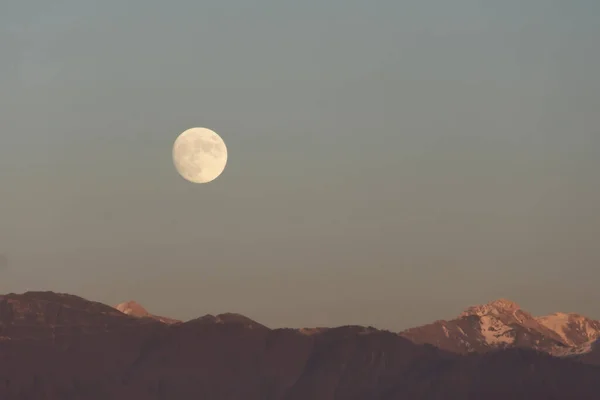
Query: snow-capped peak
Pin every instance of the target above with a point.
(574, 329)
(496, 307)
(502, 323)
(132, 308)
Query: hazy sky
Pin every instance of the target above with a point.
(390, 162)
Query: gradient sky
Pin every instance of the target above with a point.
(390, 162)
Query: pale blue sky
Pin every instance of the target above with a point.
(390, 162)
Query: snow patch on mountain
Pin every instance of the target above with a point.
(134, 309)
(575, 329)
(556, 322)
(445, 331)
(494, 331)
(576, 350)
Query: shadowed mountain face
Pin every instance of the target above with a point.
(592, 356)
(56, 346)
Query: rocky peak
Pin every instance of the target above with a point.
(574, 329)
(496, 307)
(237, 319)
(230, 319)
(132, 308)
(502, 323)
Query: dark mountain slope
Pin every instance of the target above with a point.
(64, 347)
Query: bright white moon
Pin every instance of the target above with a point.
(199, 155)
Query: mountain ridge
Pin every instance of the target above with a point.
(135, 309)
(502, 323)
(107, 354)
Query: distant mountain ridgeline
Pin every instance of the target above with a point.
(58, 346)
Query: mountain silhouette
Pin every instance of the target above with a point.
(57, 346)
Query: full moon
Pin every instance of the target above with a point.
(199, 155)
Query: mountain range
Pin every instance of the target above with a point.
(499, 324)
(60, 346)
(503, 324)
